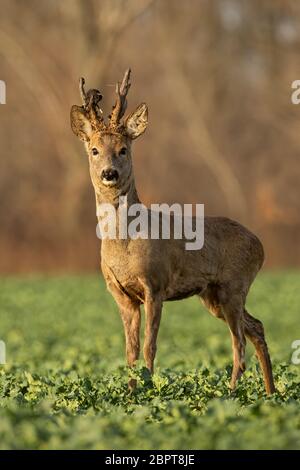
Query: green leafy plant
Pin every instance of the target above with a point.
(65, 382)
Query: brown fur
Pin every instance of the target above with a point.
(150, 272)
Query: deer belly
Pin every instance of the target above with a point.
(182, 292)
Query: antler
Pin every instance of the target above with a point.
(82, 90)
(121, 102)
(90, 101)
(92, 110)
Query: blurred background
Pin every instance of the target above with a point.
(216, 75)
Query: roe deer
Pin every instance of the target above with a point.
(149, 272)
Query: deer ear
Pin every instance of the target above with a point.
(80, 124)
(137, 121)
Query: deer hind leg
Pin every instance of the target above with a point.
(229, 308)
(254, 330)
(238, 348)
(232, 305)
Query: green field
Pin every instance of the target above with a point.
(64, 384)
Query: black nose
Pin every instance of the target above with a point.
(109, 175)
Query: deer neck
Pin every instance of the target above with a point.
(112, 196)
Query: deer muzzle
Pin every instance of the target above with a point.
(109, 176)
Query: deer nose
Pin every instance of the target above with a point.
(110, 174)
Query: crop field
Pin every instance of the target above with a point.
(64, 384)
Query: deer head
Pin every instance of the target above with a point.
(108, 144)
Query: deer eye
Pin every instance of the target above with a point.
(123, 151)
(95, 151)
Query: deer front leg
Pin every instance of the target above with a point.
(153, 307)
(131, 317)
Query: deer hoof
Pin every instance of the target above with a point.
(132, 385)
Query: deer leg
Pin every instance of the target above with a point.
(238, 347)
(254, 330)
(233, 315)
(211, 301)
(229, 308)
(131, 317)
(153, 309)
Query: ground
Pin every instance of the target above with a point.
(64, 384)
